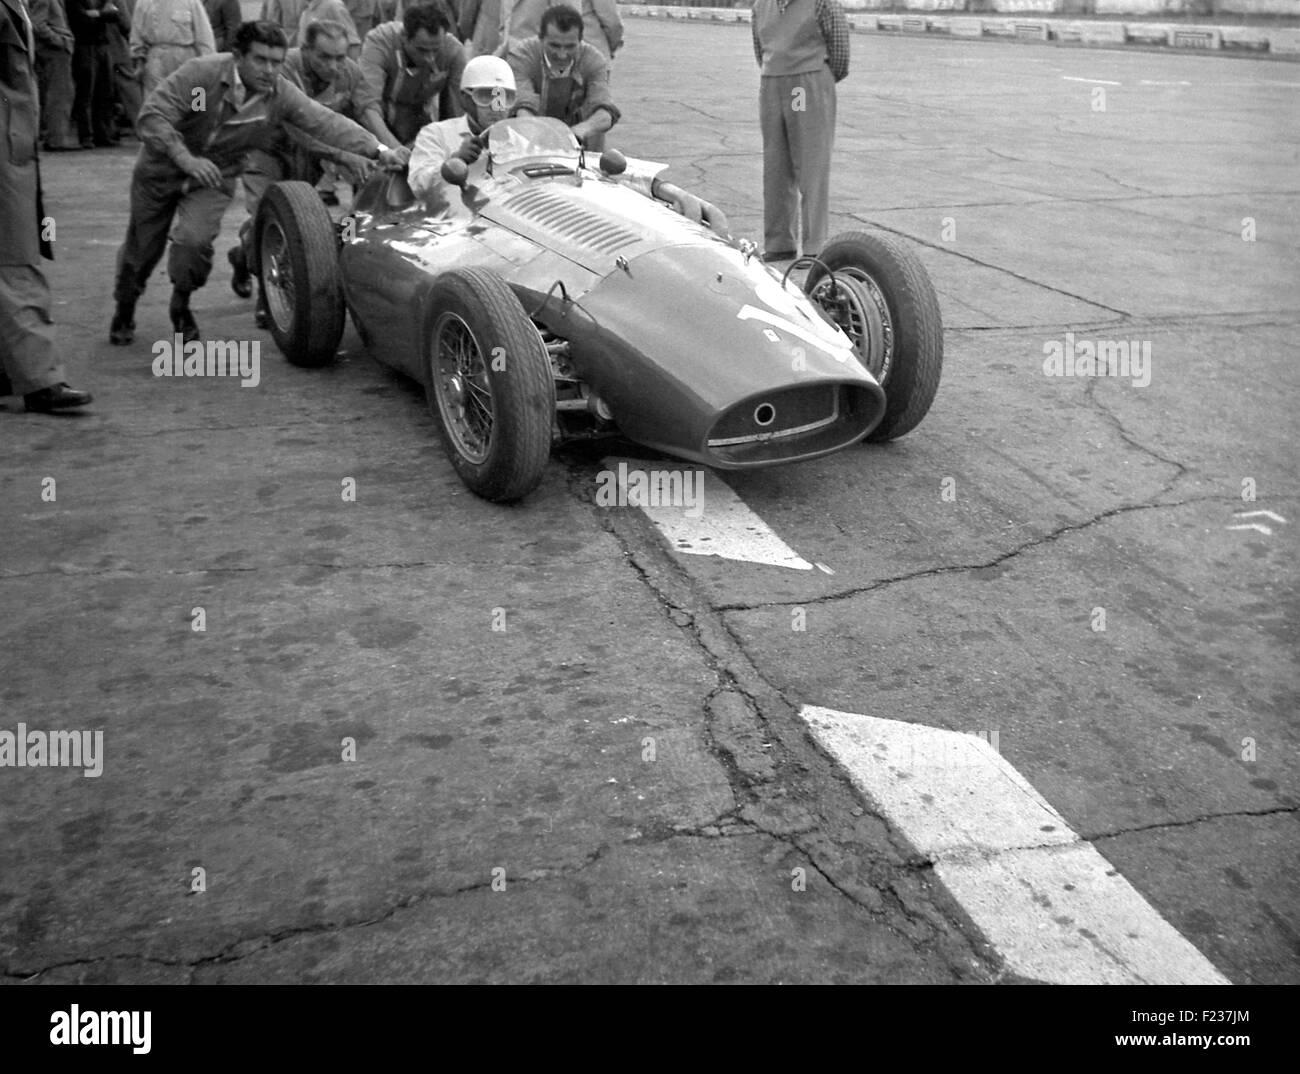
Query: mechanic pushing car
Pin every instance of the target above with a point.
(487, 93)
(325, 72)
(192, 156)
(560, 75)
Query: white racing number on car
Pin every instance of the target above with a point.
(841, 352)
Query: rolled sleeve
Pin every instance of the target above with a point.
(835, 29)
(595, 72)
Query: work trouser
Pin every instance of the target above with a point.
(160, 191)
(92, 105)
(797, 117)
(54, 78)
(28, 359)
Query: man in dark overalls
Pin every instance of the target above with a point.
(414, 67)
(561, 76)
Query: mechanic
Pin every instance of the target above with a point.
(191, 158)
(323, 69)
(29, 363)
(166, 33)
(561, 76)
(802, 48)
(414, 67)
(487, 94)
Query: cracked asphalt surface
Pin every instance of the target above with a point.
(528, 749)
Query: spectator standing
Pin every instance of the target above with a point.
(365, 15)
(54, 45)
(92, 69)
(126, 79)
(602, 26)
(802, 48)
(286, 14)
(29, 363)
(414, 67)
(557, 74)
(166, 33)
(225, 17)
(478, 25)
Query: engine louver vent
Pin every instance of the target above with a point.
(552, 210)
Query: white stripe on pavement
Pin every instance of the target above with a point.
(710, 520)
(1051, 905)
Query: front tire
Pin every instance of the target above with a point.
(886, 304)
(299, 269)
(489, 384)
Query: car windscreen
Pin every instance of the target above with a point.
(531, 138)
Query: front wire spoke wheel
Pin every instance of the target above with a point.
(465, 402)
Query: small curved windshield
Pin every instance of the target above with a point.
(530, 138)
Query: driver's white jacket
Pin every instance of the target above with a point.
(433, 145)
(437, 141)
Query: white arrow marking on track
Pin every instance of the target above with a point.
(1256, 514)
(725, 527)
(1054, 908)
(1254, 526)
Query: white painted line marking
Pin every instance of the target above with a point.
(1254, 526)
(1256, 514)
(717, 524)
(1151, 82)
(1098, 81)
(1054, 908)
(824, 569)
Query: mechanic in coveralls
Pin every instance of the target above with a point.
(487, 92)
(190, 160)
(414, 67)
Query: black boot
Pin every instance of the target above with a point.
(241, 282)
(122, 330)
(182, 319)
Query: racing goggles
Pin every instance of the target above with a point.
(496, 98)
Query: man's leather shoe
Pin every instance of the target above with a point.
(242, 281)
(122, 330)
(57, 397)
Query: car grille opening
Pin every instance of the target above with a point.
(790, 423)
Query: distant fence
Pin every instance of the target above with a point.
(1199, 9)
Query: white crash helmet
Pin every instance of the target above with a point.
(487, 73)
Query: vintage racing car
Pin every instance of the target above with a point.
(540, 296)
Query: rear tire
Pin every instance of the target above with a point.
(489, 384)
(297, 263)
(889, 309)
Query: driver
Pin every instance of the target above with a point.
(487, 93)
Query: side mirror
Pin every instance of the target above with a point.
(612, 162)
(455, 171)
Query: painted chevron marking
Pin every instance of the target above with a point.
(1052, 906)
(1256, 514)
(1254, 526)
(720, 524)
